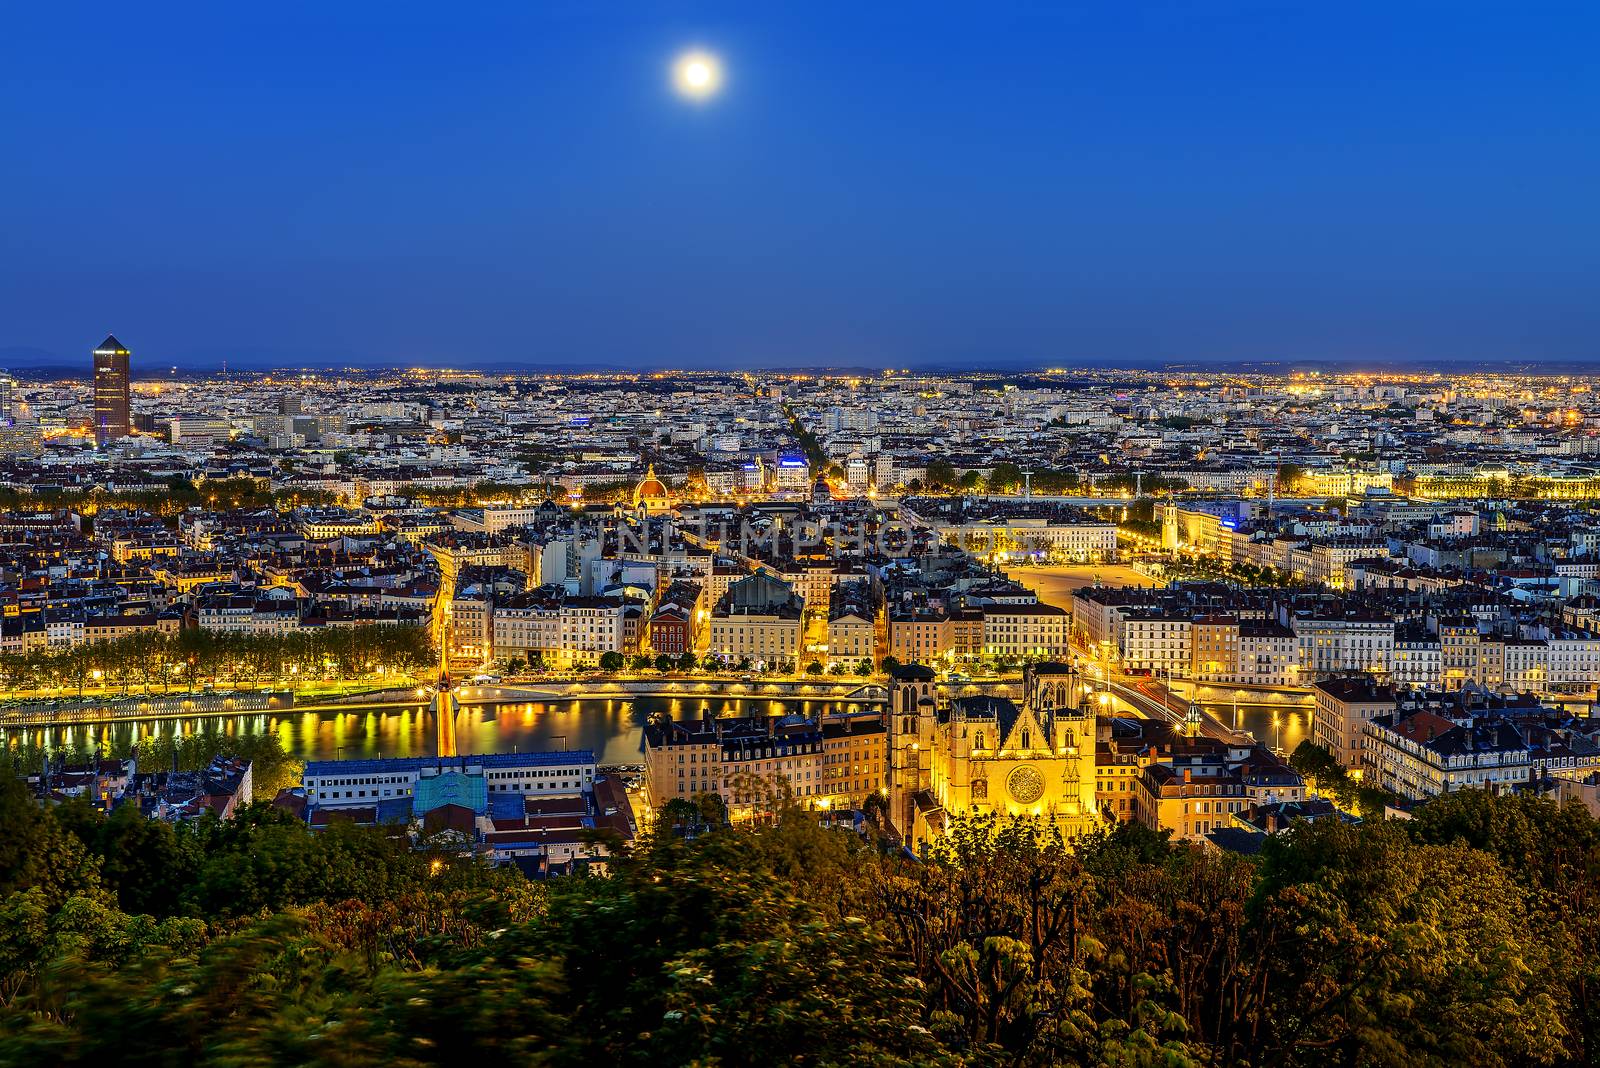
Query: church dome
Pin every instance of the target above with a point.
(651, 492)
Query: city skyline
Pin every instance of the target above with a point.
(927, 187)
(479, 629)
(38, 364)
(919, 534)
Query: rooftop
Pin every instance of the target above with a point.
(392, 765)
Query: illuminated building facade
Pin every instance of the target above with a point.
(988, 755)
(651, 495)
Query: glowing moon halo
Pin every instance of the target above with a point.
(697, 75)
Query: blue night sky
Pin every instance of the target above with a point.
(878, 184)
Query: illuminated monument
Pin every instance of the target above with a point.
(651, 495)
(111, 406)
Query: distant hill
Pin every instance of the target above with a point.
(34, 362)
(16, 357)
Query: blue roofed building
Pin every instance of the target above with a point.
(452, 787)
(417, 785)
(544, 813)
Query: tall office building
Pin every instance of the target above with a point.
(110, 391)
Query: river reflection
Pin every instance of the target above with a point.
(1280, 726)
(612, 727)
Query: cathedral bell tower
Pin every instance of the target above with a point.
(912, 704)
(1169, 527)
(1054, 693)
(1051, 685)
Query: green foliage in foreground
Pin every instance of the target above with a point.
(1467, 936)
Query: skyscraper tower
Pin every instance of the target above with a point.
(110, 391)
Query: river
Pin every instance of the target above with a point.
(612, 727)
(1281, 727)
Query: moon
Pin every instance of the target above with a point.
(697, 75)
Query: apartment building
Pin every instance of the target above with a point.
(678, 623)
(1351, 641)
(592, 627)
(1573, 663)
(325, 524)
(765, 635)
(271, 611)
(1194, 793)
(1024, 631)
(347, 784)
(1156, 642)
(852, 622)
(750, 762)
(1458, 651)
(528, 623)
(1418, 658)
(1268, 654)
(1214, 649)
(1422, 753)
(920, 636)
(1344, 707)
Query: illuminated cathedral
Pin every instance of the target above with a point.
(990, 755)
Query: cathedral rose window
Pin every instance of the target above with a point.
(1025, 784)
